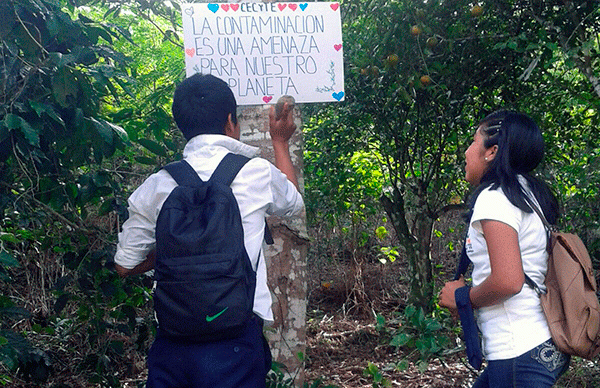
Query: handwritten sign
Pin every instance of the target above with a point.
(266, 50)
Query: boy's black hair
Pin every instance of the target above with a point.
(520, 150)
(201, 105)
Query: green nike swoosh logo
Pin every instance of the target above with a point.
(212, 318)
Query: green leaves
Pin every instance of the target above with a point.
(418, 334)
(12, 121)
(109, 132)
(153, 147)
(414, 97)
(378, 379)
(7, 260)
(70, 120)
(400, 339)
(41, 109)
(65, 86)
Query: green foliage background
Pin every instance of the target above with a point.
(85, 116)
(84, 106)
(420, 74)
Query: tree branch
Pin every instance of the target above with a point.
(47, 208)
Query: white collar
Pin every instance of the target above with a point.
(231, 144)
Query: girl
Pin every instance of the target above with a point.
(506, 239)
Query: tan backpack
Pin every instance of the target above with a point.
(570, 302)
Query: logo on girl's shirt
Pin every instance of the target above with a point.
(469, 245)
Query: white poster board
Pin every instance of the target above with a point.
(266, 50)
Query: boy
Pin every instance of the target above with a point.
(204, 109)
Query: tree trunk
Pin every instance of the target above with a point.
(417, 244)
(286, 259)
(420, 267)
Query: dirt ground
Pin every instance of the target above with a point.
(339, 350)
(342, 338)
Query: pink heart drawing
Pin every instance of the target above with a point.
(225, 7)
(337, 47)
(335, 6)
(267, 99)
(281, 6)
(234, 7)
(293, 6)
(190, 52)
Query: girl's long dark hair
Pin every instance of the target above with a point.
(520, 150)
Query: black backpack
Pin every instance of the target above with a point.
(205, 282)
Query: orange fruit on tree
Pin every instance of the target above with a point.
(477, 10)
(415, 30)
(392, 60)
(425, 80)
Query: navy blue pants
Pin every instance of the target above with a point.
(538, 368)
(237, 363)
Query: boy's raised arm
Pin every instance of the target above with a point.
(281, 130)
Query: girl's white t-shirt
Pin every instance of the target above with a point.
(518, 324)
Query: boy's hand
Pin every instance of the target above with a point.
(282, 127)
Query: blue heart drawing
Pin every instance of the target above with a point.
(189, 11)
(303, 6)
(213, 7)
(338, 96)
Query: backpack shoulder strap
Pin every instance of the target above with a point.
(533, 285)
(549, 229)
(183, 173)
(226, 172)
(228, 168)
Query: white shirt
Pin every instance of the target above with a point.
(259, 188)
(518, 324)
